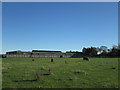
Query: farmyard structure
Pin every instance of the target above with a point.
(43, 53)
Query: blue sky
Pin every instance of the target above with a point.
(59, 26)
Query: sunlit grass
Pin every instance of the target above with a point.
(76, 73)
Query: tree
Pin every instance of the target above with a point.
(86, 51)
(103, 48)
(115, 51)
(104, 53)
(115, 46)
(90, 51)
(93, 51)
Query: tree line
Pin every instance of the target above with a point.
(102, 51)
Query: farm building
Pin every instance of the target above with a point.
(40, 53)
(18, 54)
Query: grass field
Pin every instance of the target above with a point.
(65, 73)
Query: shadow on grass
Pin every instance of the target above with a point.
(34, 80)
(45, 74)
(25, 80)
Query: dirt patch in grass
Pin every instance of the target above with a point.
(3, 68)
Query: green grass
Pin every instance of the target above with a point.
(96, 73)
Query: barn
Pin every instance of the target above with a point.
(38, 53)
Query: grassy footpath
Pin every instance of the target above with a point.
(65, 73)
